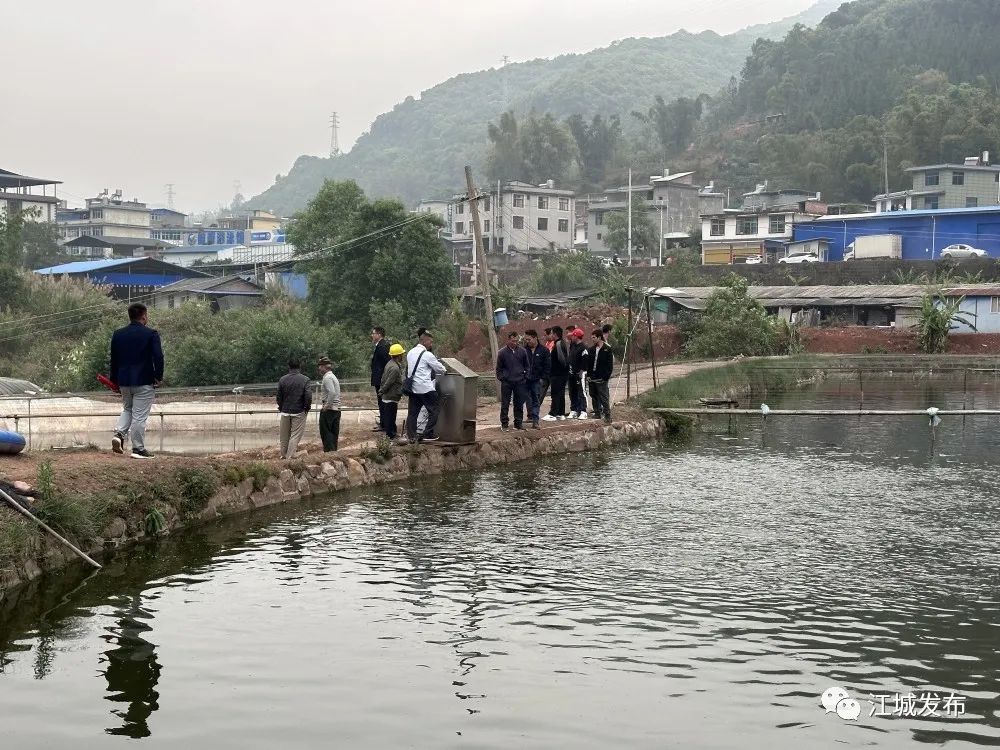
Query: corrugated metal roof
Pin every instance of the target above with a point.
(696, 297)
(85, 266)
(209, 284)
(902, 214)
(14, 387)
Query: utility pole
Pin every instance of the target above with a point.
(170, 195)
(630, 217)
(885, 160)
(334, 140)
(661, 232)
(484, 272)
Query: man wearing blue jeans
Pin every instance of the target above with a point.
(137, 370)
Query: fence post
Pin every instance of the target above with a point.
(236, 414)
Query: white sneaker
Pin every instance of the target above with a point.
(583, 415)
(574, 414)
(549, 418)
(561, 417)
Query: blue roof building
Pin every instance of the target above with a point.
(924, 233)
(127, 277)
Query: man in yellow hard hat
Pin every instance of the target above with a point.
(390, 390)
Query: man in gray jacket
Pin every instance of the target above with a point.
(329, 416)
(294, 402)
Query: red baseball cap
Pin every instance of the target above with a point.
(577, 333)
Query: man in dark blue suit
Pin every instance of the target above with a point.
(137, 370)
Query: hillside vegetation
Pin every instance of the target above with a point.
(420, 148)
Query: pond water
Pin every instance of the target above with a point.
(702, 596)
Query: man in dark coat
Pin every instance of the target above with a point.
(600, 367)
(559, 366)
(380, 358)
(137, 370)
(538, 373)
(513, 367)
(577, 373)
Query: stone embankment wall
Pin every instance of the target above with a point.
(337, 472)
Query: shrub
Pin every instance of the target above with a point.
(733, 323)
(15, 541)
(937, 318)
(197, 487)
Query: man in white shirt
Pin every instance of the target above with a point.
(329, 417)
(422, 367)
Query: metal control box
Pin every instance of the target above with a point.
(458, 394)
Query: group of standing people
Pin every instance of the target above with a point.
(529, 370)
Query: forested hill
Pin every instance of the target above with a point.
(420, 148)
(923, 75)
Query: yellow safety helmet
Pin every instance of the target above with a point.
(396, 349)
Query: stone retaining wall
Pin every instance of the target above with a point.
(342, 472)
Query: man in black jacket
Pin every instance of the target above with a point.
(137, 370)
(513, 366)
(559, 365)
(380, 358)
(578, 368)
(600, 367)
(538, 355)
(294, 402)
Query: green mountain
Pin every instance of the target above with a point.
(818, 109)
(420, 148)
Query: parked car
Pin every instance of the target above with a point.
(754, 260)
(962, 251)
(800, 258)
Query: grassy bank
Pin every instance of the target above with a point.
(133, 504)
(736, 380)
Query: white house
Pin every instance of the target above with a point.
(33, 196)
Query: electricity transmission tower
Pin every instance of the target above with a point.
(170, 195)
(334, 140)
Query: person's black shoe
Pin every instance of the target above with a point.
(520, 427)
(504, 428)
(535, 426)
(141, 453)
(430, 439)
(118, 444)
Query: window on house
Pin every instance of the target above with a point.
(461, 208)
(972, 202)
(486, 225)
(746, 225)
(564, 204)
(599, 236)
(995, 304)
(649, 195)
(518, 222)
(518, 200)
(459, 227)
(563, 225)
(931, 203)
(932, 179)
(543, 225)
(718, 228)
(543, 201)
(958, 178)
(486, 244)
(499, 245)
(598, 218)
(486, 203)
(776, 224)
(97, 213)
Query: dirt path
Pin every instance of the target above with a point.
(85, 467)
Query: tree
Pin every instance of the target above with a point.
(644, 234)
(674, 123)
(733, 323)
(40, 243)
(596, 144)
(547, 149)
(505, 160)
(370, 253)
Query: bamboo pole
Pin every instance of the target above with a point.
(628, 347)
(80, 553)
(652, 348)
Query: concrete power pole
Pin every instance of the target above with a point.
(334, 139)
(484, 277)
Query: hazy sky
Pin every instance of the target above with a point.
(137, 94)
